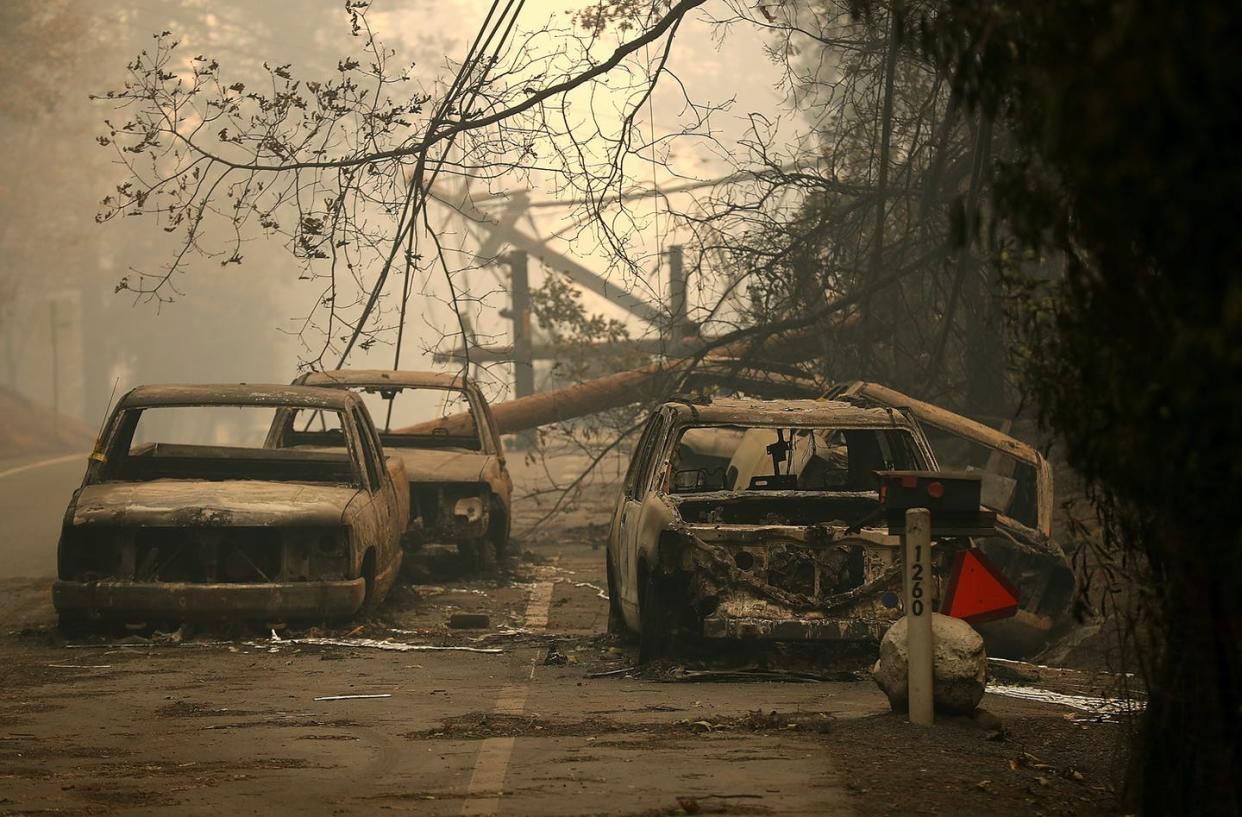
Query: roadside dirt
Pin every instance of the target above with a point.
(29, 428)
(240, 721)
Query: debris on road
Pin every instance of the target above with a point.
(507, 631)
(755, 675)
(354, 697)
(611, 673)
(469, 621)
(375, 644)
(80, 666)
(1103, 710)
(555, 657)
(599, 591)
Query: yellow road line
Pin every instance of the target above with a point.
(30, 466)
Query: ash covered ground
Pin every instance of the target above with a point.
(537, 712)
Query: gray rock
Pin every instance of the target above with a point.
(960, 666)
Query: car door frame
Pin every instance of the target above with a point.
(972, 431)
(490, 436)
(628, 513)
(384, 503)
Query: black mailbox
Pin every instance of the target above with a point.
(951, 496)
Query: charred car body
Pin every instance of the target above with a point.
(165, 529)
(459, 488)
(1017, 485)
(749, 519)
(754, 519)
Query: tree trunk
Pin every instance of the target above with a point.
(1196, 694)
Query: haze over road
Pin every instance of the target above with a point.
(34, 492)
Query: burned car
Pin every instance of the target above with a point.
(750, 519)
(170, 524)
(441, 427)
(1017, 485)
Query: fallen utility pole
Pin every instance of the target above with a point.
(543, 351)
(542, 408)
(599, 394)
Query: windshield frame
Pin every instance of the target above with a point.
(116, 444)
(483, 432)
(917, 444)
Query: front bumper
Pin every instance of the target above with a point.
(112, 599)
(793, 629)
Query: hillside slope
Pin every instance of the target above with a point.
(29, 428)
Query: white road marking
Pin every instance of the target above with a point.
(487, 779)
(30, 466)
(539, 606)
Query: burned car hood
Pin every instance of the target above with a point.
(441, 464)
(183, 502)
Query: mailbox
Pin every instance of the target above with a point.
(951, 496)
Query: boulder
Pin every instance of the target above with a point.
(960, 666)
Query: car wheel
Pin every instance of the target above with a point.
(616, 620)
(72, 625)
(654, 620)
(371, 602)
(478, 556)
(498, 535)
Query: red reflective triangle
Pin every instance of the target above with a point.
(977, 590)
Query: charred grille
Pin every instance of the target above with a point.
(235, 555)
(792, 570)
(207, 555)
(805, 571)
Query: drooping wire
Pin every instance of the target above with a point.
(414, 203)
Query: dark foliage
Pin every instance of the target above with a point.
(1127, 115)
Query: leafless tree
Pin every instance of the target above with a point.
(343, 169)
(860, 236)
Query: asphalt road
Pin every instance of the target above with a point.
(34, 492)
(539, 713)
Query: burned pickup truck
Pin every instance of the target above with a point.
(171, 525)
(441, 427)
(749, 519)
(1017, 485)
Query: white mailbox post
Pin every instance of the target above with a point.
(918, 589)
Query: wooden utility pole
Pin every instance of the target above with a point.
(55, 330)
(523, 360)
(678, 309)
